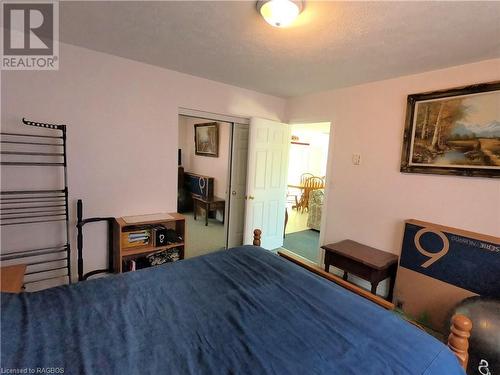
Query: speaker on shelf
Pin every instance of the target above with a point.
(160, 235)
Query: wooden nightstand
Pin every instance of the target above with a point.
(363, 261)
(12, 278)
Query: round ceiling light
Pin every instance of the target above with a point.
(280, 13)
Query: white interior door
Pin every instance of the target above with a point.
(237, 188)
(268, 148)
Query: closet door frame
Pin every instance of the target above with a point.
(233, 120)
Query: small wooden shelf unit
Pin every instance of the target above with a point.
(122, 253)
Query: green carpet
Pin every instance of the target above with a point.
(304, 243)
(201, 239)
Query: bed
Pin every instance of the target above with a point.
(238, 311)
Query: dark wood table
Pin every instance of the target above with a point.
(208, 204)
(363, 261)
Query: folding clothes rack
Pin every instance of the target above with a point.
(36, 206)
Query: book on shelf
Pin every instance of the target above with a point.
(129, 265)
(138, 237)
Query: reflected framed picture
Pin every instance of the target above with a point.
(453, 132)
(206, 139)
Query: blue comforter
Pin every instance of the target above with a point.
(240, 311)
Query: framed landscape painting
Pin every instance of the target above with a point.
(206, 139)
(454, 132)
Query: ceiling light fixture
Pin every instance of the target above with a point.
(280, 13)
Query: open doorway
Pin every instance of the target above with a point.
(306, 188)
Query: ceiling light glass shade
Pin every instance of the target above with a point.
(279, 13)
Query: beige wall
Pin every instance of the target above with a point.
(218, 168)
(122, 119)
(369, 202)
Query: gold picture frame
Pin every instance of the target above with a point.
(453, 132)
(206, 139)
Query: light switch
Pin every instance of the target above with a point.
(356, 159)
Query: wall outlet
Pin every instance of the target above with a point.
(356, 159)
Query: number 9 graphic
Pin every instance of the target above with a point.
(434, 257)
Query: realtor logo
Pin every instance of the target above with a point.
(30, 35)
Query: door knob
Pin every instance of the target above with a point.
(233, 192)
(251, 197)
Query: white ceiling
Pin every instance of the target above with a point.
(332, 44)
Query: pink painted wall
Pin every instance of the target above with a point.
(218, 168)
(122, 119)
(369, 202)
(122, 143)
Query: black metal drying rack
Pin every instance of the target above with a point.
(34, 206)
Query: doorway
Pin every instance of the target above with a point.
(306, 188)
(257, 183)
(212, 160)
(272, 200)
